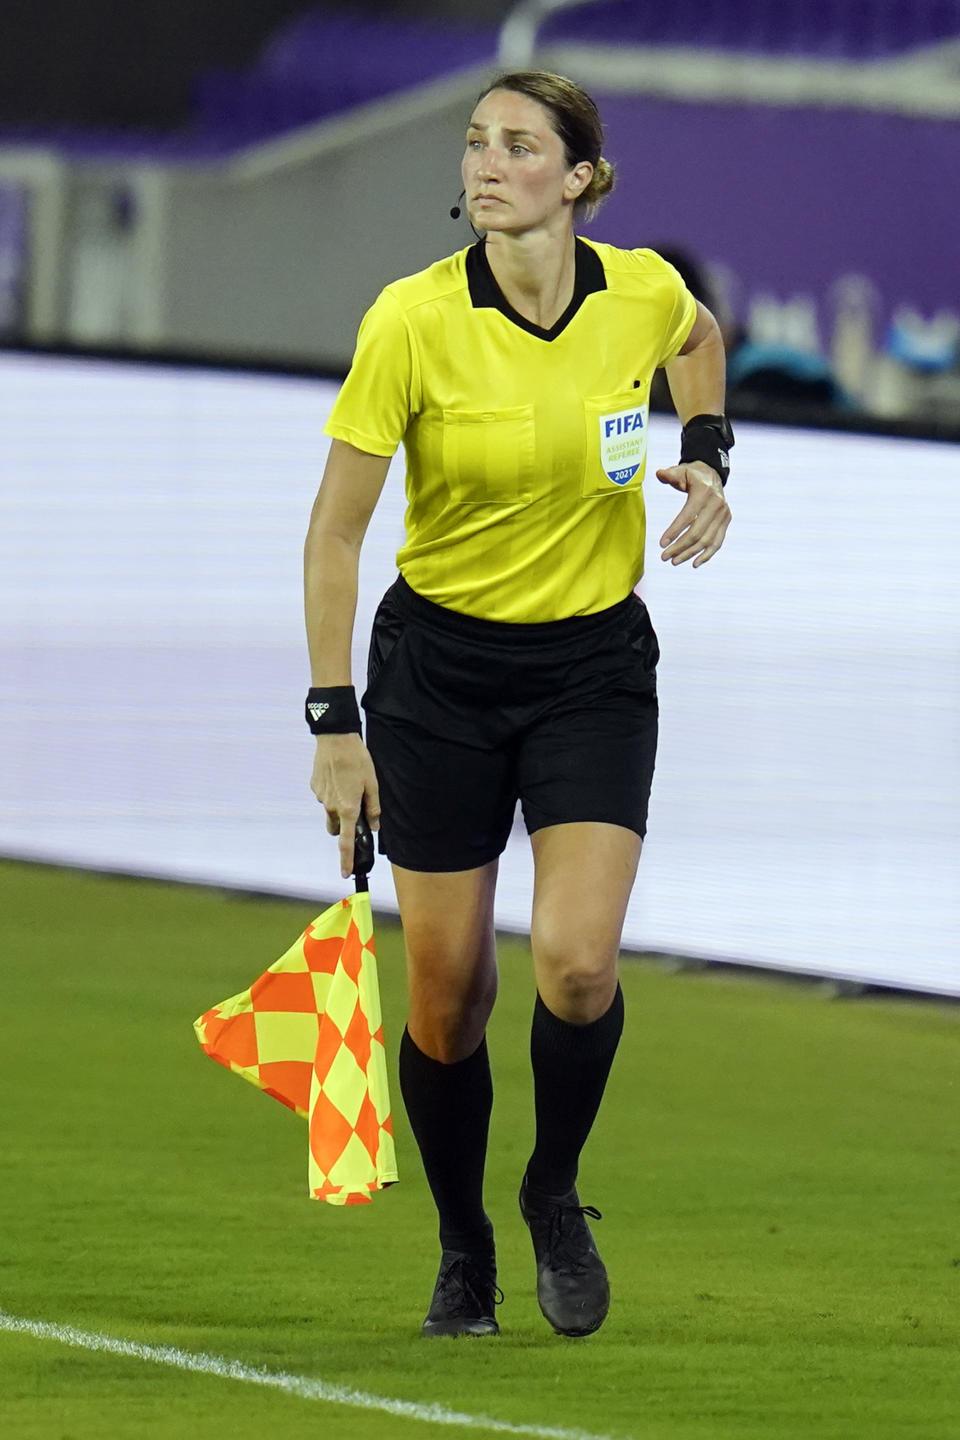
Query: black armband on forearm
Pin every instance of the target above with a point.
(708, 438)
(333, 710)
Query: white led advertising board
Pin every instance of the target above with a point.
(805, 807)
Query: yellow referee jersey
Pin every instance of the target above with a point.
(525, 448)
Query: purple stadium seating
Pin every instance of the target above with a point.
(834, 29)
(322, 64)
(325, 62)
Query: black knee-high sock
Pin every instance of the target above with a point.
(570, 1068)
(449, 1109)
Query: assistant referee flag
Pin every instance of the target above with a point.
(309, 1033)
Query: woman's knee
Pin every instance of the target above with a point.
(448, 1022)
(578, 996)
(451, 958)
(452, 992)
(584, 876)
(576, 980)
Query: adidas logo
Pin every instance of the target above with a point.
(317, 709)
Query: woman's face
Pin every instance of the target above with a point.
(514, 168)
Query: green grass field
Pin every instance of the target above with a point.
(778, 1174)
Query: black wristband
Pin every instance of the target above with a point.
(333, 710)
(708, 438)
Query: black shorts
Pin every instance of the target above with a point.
(464, 717)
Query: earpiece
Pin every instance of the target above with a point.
(455, 211)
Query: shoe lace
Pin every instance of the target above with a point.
(466, 1287)
(569, 1241)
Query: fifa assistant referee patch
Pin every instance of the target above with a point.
(623, 442)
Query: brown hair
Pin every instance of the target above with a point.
(576, 120)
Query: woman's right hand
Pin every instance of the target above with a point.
(345, 782)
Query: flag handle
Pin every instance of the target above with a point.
(362, 852)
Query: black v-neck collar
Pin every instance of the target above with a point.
(485, 293)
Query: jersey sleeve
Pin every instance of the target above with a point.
(680, 312)
(380, 393)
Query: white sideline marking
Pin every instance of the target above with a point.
(300, 1385)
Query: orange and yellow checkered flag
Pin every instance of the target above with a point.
(309, 1033)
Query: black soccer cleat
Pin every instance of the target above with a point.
(572, 1285)
(465, 1295)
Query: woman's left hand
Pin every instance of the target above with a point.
(699, 529)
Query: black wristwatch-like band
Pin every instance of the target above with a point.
(708, 438)
(333, 710)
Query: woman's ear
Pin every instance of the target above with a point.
(578, 179)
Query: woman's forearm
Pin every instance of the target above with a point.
(331, 566)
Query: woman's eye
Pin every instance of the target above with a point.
(518, 149)
(474, 144)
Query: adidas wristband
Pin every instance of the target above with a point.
(708, 438)
(333, 710)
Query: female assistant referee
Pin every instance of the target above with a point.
(511, 659)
